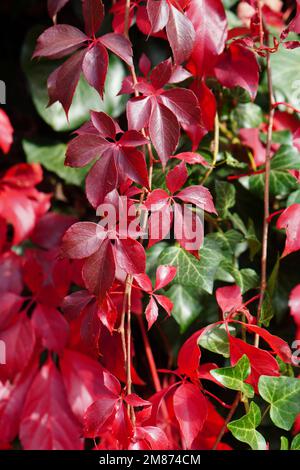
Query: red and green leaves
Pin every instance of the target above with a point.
(62, 40)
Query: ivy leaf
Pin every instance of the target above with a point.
(283, 394)
(267, 312)
(281, 181)
(216, 339)
(191, 271)
(233, 377)
(244, 429)
(226, 194)
(285, 70)
(186, 306)
(296, 443)
(52, 157)
(284, 443)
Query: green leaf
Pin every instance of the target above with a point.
(227, 242)
(233, 377)
(294, 198)
(52, 157)
(225, 199)
(215, 339)
(281, 181)
(152, 258)
(85, 98)
(285, 66)
(267, 311)
(247, 115)
(191, 271)
(284, 443)
(283, 394)
(253, 242)
(186, 306)
(245, 278)
(296, 443)
(244, 429)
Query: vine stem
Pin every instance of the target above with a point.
(129, 279)
(216, 149)
(227, 420)
(149, 354)
(264, 256)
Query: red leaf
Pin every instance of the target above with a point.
(19, 340)
(290, 221)
(198, 195)
(56, 427)
(164, 275)
(82, 240)
(95, 65)
(157, 199)
(130, 255)
(84, 380)
(133, 139)
(119, 45)
(189, 356)
(138, 112)
(294, 304)
(229, 298)
(151, 312)
(188, 229)
(262, 362)
(104, 124)
(160, 223)
(209, 20)
(50, 229)
(10, 273)
(12, 402)
(58, 41)
(84, 148)
(165, 303)
(131, 162)
(250, 138)
(54, 6)
(99, 270)
(98, 414)
(63, 81)
(190, 408)
(161, 74)
(176, 178)
(181, 35)
(101, 180)
(158, 13)
(135, 400)
(278, 345)
(238, 66)
(149, 437)
(164, 131)
(6, 132)
(144, 282)
(9, 308)
(51, 327)
(144, 65)
(184, 104)
(93, 14)
(191, 158)
(108, 314)
(208, 105)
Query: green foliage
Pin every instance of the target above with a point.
(52, 158)
(234, 377)
(191, 271)
(215, 339)
(244, 429)
(225, 199)
(283, 394)
(186, 306)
